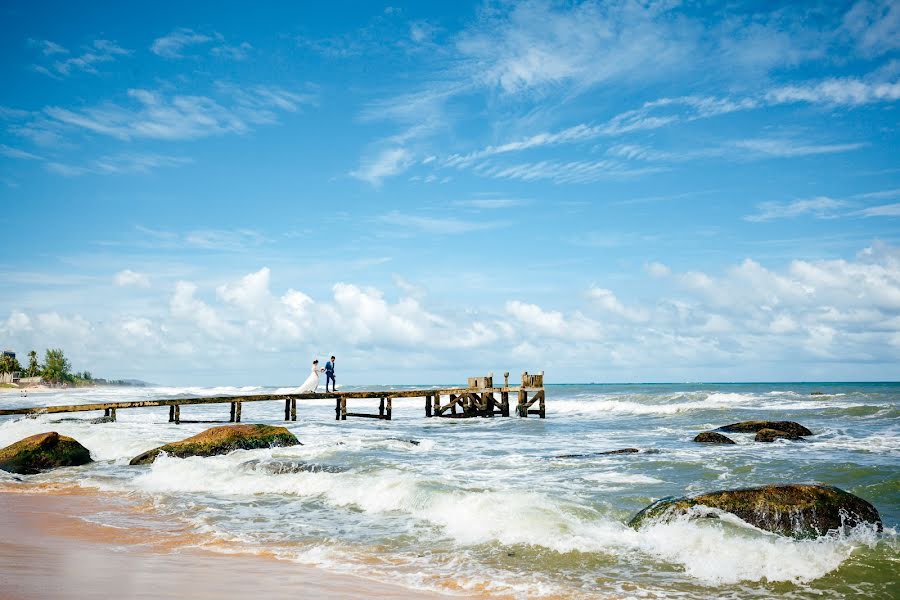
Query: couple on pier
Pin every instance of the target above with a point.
(312, 382)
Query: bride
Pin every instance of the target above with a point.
(312, 382)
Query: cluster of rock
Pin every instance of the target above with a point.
(50, 450)
(766, 431)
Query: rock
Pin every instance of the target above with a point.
(222, 440)
(818, 394)
(606, 453)
(43, 451)
(770, 435)
(711, 437)
(754, 426)
(797, 510)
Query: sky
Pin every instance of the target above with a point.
(215, 193)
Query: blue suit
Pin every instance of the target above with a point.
(329, 376)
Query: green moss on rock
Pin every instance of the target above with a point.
(798, 510)
(711, 437)
(222, 440)
(754, 426)
(41, 452)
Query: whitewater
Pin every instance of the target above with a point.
(487, 506)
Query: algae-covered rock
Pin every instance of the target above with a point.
(754, 426)
(711, 437)
(41, 452)
(604, 453)
(770, 435)
(797, 510)
(222, 440)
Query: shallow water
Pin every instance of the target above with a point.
(482, 505)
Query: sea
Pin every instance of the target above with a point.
(493, 506)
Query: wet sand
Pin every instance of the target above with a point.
(47, 552)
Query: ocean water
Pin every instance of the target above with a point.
(485, 506)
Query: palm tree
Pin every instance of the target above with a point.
(33, 367)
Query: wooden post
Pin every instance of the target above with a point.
(293, 409)
(344, 408)
(506, 379)
(437, 405)
(112, 414)
(427, 406)
(287, 409)
(231, 418)
(388, 415)
(237, 412)
(172, 414)
(504, 403)
(381, 408)
(543, 408)
(453, 404)
(177, 416)
(337, 409)
(522, 408)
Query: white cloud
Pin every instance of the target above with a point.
(606, 300)
(173, 44)
(118, 165)
(884, 210)
(11, 152)
(848, 91)
(388, 162)
(780, 147)
(875, 25)
(100, 51)
(657, 269)
(127, 277)
(417, 224)
(155, 115)
(821, 207)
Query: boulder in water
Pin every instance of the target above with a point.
(754, 426)
(797, 510)
(222, 440)
(770, 435)
(41, 452)
(711, 437)
(605, 453)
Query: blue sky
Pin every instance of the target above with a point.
(621, 191)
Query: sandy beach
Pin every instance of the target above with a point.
(48, 552)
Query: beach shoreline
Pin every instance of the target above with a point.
(50, 551)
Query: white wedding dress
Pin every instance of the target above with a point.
(311, 383)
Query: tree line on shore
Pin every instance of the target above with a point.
(55, 368)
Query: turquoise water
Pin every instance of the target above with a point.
(484, 505)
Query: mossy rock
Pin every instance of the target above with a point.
(222, 440)
(604, 453)
(41, 452)
(754, 426)
(711, 437)
(770, 435)
(797, 510)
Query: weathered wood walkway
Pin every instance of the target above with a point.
(479, 399)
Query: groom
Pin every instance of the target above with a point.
(329, 375)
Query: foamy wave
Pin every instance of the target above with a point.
(652, 405)
(727, 550)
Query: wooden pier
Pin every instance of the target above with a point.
(479, 399)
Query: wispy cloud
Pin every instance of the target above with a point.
(434, 225)
(118, 165)
(100, 51)
(11, 152)
(491, 203)
(578, 171)
(385, 163)
(155, 115)
(821, 207)
(173, 44)
(884, 210)
(231, 240)
(847, 91)
(789, 148)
